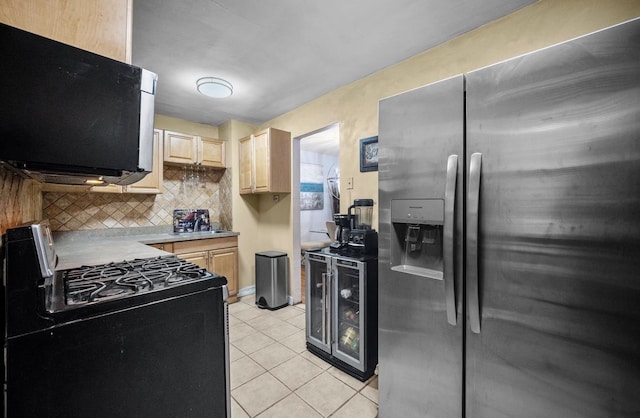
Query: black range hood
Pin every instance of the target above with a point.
(69, 116)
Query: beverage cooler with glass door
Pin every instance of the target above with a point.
(341, 312)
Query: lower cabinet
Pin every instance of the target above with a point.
(217, 255)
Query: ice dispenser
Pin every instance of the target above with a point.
(416, 238)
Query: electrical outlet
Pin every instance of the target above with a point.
(350, 183)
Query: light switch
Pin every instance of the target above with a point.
(350, 183)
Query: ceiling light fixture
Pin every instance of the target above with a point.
(214, 87)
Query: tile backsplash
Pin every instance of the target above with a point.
(83, 211)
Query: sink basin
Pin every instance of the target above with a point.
(214, 231)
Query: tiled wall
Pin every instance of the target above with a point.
(82, 211)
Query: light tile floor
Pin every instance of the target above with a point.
(274, 376)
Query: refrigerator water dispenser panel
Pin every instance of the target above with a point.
(418, 211)
(416, 239)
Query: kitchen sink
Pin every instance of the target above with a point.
(214, 231)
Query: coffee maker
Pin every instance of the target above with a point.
(362, 238)
(343, 222)
(354, 236)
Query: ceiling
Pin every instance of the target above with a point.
(325, 141)
(281, 54)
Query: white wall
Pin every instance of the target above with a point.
(315, 220)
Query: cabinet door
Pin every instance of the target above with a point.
(225, 263)
(152, 182)
(211, 152)
(245, 156)
(261, 162)
(180, 148)
(102, 27)
(279, 161)
(200, 258)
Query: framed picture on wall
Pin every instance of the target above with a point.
(369, 154)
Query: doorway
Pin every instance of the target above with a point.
(316, 193)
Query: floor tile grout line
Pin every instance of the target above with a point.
(297, 354)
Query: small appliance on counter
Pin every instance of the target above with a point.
(191, 220)
(343, 222)
(140, 333)
(362, 238)
(355, 235)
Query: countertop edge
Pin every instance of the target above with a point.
(187, 236)
(102, 250)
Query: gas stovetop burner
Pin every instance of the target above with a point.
(90, 284)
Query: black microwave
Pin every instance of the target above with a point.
(68, 115)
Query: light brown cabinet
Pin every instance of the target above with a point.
(164, 246)
(188, 149)
(217, 255)
(265, 162)
(152, 182)
(225, 262)
(102, 27)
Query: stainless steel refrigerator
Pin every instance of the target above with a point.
(509, 251)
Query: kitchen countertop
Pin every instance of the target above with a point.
(78, 248)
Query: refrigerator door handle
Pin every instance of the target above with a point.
(473, 211)
(448, 239)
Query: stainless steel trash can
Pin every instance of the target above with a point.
(272, 279)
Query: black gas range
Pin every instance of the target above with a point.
(90, 285)
(148, 335)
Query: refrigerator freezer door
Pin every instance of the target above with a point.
(420, 352)
(558, 231)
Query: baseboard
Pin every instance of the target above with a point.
(251, 290)
(245, 291)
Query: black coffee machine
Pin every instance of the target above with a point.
(362, 238)
(343, 222)
(355, 235)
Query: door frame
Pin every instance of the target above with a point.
(296, 292)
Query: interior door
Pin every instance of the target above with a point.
(554, 299)
(420, 351)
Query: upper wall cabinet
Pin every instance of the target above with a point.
(103, 27)
(152, 182)
(182, 148)
(265, 162)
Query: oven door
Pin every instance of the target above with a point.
(163, 359)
